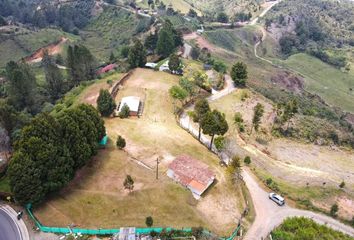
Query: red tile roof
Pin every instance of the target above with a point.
(107, 68)
(191, 172)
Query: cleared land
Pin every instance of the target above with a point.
(328, 82)
(291, 164)
(96, 197)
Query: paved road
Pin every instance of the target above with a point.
(187, 50)
(269, 215)
(10, 227)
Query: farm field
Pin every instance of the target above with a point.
(329, 83)
(290, 164)
(96, 198)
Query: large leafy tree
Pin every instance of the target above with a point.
(168, 39)
(49, 150)
(137, 55)
(178, 93)
(201, 108)
(105, 103)
(53, 77)
(21, 86)
(214, 123)
(239, 73)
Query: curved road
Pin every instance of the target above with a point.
(269, 215)
(10, 227)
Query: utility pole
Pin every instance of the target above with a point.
(157, 168)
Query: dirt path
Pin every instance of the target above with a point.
(254, 21)
(269, 215)
(52, 49)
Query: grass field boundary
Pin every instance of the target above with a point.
(69, 230)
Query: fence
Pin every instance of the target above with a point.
(61, 230)
(115, 89)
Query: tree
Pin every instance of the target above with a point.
(81, 64)
(53, 77)
(137, 55)
(222, 17)
(219, 66)
(188, 85)
(112, 58)
(149, 221)
(247, 160)
(178, 93)
(129, 183)
(124, 112)
(235, 168)
(120, 142)
(151, 41)
(334, 210)
(257, 115)
(201, 108)
(214, 123)
(174, 62)
(165, 43)
(239, 73)
(22, 89)
(195, 52)
(192, 13)
(105, 103)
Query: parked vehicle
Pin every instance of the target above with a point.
(277, 199)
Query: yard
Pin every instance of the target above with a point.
(97, 198)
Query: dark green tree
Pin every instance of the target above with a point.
(22, 89)
(334, 210)
(53, 77)
(214, 123)
(149, 221)
(120, 142)
(174, 62)
(129, 183)
(2, 21)
(222, 17)
(137, 55)
(165, 43)
(124, 112)
(151, 41)
(112, 58)
(239, 73)
(257, 115)
(105, 103)
(201, 108)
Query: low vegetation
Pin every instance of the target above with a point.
(304, 228)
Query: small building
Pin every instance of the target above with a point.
(150, 65)
(133, 103)
(192, 174)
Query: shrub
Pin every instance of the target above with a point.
(247, 160)
(149, 221)
(342, 184)
(334, 210)
(121, 142)
(269, 181)
(219, 143)
(125, 112)
(129, 183)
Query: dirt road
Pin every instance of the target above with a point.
(269, 215)
(254, 21)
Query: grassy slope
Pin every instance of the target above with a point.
(25, 42)
(110, 30)
(329, 83)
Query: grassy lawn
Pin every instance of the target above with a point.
(328, 82)
(96, 198)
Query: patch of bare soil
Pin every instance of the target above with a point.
(346, 207)
(202, 42)
(288, 81)
(52, 49)
(350, 118)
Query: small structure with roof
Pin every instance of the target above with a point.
(133, 103)
(192, 174)
(107, 68)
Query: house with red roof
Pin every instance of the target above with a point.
(107, 68)
(192, 174)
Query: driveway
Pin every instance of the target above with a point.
(10, 227)
(269, 215)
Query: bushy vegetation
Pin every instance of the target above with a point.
(305, 229)
(50, 150)
(316, 33)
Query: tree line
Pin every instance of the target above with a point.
(50, 149)
(23, 97)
